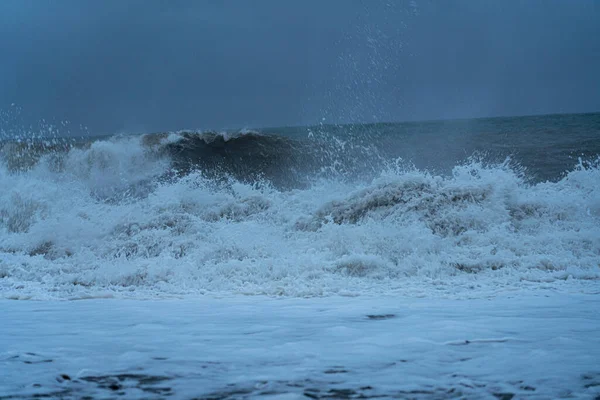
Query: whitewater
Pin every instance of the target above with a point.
(253, 265)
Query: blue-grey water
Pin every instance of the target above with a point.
(547, 145)
(541, 147)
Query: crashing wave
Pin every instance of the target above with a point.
(189, 212)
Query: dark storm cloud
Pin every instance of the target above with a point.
(149, 65)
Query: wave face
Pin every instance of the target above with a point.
(180, 213)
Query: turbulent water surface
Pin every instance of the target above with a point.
(471, 248)
(303, 211)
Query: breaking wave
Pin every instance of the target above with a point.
(179, 213)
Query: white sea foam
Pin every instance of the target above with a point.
(107, 222)
(525, 346)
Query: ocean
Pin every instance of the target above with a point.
(320, 244)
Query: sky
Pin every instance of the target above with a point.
(149, 65)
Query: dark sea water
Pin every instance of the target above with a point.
(547, 145)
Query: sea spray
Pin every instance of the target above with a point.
(120, 216)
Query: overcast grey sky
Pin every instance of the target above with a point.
(149, 65)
